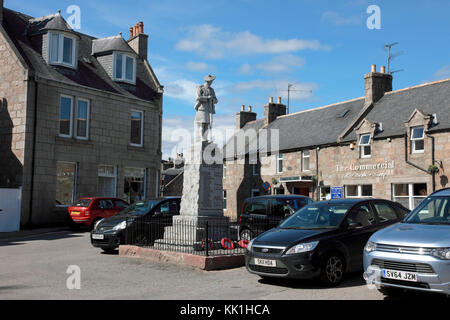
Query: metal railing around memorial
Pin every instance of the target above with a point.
(211, 237)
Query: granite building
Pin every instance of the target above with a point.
(386, 144)
(79, 116)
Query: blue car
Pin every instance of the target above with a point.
(413, 254)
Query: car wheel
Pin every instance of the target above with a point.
(332, 270)
(390, 292)
(246, 234)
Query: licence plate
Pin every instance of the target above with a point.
(98, 236)
(400, 275)
(265, 262)
(75, 213)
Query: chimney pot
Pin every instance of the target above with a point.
(243, 107)
(279, 100)
(383, 69)
(249, 108)
(373, 68)
(271, 100)
(131, 32)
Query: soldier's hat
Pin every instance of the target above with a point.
(210, 78)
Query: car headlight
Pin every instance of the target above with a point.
(97, 223)
(441, 253)
(120, 226)
(303, 247)
(370, 247)
(249, 245)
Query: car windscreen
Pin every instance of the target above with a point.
(139, 208)
(432, 210)
(296, 204)
(82, 203)
(317, 216)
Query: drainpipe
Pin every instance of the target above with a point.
(433, 160)
(33, 156)
(416, 166)
(317, 175)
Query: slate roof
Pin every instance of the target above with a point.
(51, 22)
(105, 45)
(395, 107)
(324, 125)
(90, 74)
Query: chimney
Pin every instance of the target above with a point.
(273, 110)
(139, 40)
(377, 84)
(243, 117)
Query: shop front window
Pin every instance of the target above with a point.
(134, 184)
(107, 180)
(66, 174)
(409, 194)
(325, 193)
(358, 191)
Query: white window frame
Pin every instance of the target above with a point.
(75, 115)
(413, 140)
(71, 116)
(142, 129)
(124, 68)
(362, 146)
(308, 156)
(359, 191)
(145, 179)
(224, 170)
(114, 176)
(280, 158)
(411, 197)
(60, 61)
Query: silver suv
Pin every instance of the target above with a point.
(413, 254)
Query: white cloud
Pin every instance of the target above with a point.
(442, 73)
(279, 64)
(338, 19)
(181, 89)
(211, 42)
(278, 88)
(199, 66)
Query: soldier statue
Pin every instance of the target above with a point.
(205, 107)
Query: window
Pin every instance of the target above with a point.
(255, 193)
(62, 50)
(107, 181)
(385, 212)
(82, 119)
(417, 140)
(66, 174)
(65, 116)
(224, 170)
(258, 206)
(409, 195)
(280, 163)
(137, 124)
(124, 68)
(134, 184)
(362, 216)
(358, 191)
(364, 146)
(224, 199)
(305, 160)
(325, 193)
(255, 169)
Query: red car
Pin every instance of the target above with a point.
(87, 211)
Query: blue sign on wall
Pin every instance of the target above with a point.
(337, 192)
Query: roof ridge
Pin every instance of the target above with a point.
(418, 86)
(320, 108)
(44, 17)
(109, 38)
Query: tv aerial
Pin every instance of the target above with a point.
(289, 90)
(391, 56)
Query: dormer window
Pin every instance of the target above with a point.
(364, 146)
(62, 50)
(417, 140)
(124, 68)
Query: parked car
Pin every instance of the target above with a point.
(322, 240)
(414, 254)
(144, 222)
(260, 214)
(87, 211)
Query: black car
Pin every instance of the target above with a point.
(260, 214)
(322, 240)
(140, 223)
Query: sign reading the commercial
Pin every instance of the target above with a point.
(380, 169)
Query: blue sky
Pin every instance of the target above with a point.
(255, 48)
